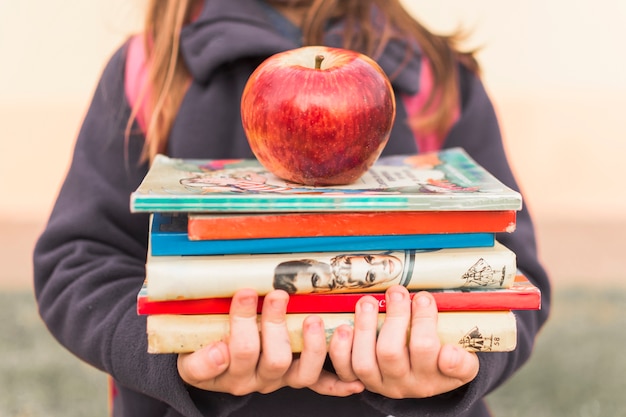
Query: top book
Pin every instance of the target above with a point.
(448, 180)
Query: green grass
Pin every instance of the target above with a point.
(579, 364)
(37, 376)
(578, 368)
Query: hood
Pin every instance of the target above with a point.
(228, 30)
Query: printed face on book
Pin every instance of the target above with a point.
(302, 276)
(362, 271)
(345, 272)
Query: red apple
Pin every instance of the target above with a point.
(317, 115)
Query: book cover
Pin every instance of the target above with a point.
(169, 237)
(444, 180)
(192, 277)
(522, 295)
(494, 331)
(203, 226)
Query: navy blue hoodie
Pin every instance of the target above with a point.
(89, 261)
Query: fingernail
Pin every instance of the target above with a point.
(315, 325)
(247, 300)
(368, 307)
(216, 356)
(422, 300)
(455, 357)
(396, 296)
(343, 333)
(278, 304)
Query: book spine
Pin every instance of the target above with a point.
(193, 277)
(273, 225)
(474, 331)
(173, 244)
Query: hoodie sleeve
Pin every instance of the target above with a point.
(478, 132)
(89, 262)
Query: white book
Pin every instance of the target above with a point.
(494, 331)
(193, 277)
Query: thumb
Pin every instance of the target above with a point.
(204, 364)
(457, 363)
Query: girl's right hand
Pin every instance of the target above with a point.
(250, 361)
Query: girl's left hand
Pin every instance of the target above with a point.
(390, 365)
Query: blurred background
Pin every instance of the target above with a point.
(555, 71)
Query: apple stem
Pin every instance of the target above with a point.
(318, 61)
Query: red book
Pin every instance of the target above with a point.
(522, 295)
(272, 225)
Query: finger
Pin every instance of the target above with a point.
(330, 384)
(306, 370)
(391, 348)
(276, 355)
(203, 365)
(424, 341)
(457, 363)
(364, 362)
(340, 352)
(243, 341)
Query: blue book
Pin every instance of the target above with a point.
(168, 236)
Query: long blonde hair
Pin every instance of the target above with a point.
(168, 77)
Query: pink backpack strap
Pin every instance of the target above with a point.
(135, 78)
(413, 105)
(136, 73)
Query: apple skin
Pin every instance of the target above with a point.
(313, 126)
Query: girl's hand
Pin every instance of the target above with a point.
(251, 362)
(389, 364)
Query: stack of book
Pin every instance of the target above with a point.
(427, 222)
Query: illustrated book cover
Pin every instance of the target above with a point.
(203, 226)
(494, 331)
(446, 180)
(522, 295)
(169, 236)
(188, 277)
